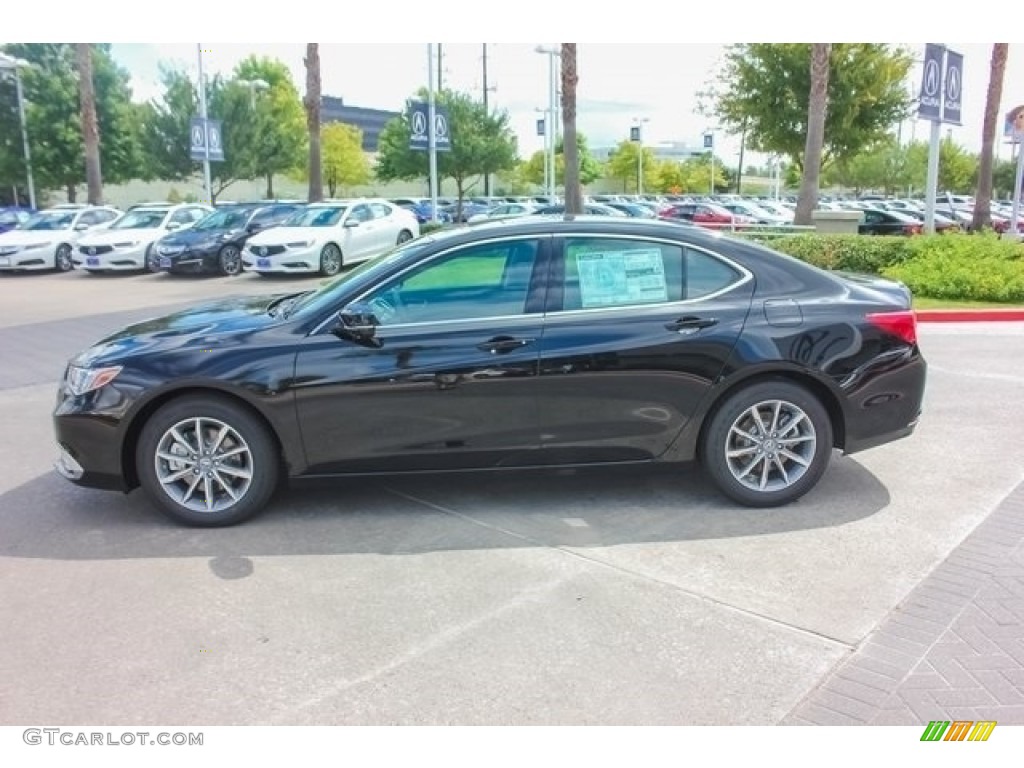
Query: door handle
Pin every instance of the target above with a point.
(690, 324)
(500, 344)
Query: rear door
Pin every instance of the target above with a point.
(637, 331)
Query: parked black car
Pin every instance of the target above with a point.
(878, 222)
(214, 244)
(591, 209)
(528, 342)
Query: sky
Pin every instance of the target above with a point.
(619, 82)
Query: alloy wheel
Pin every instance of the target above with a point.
(770, 446)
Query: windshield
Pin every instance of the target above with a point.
(227, 218)
(320, 216)
(49, 221)
(365, 273)
(140, 220)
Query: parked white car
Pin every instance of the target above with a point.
(324, 237)
(504, 211)
(46, 240)
(127, 243)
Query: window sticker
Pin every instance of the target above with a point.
(617, 278)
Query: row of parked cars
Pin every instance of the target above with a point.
(266, 237)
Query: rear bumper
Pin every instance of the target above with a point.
(886, 406)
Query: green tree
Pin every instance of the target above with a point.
(623, 165)
(769, 86)
(883, 168)
(957, 166)
(513, 181)
(344, 162)
(1004, 177)
(481, 142)
(590, 167)
(53, 117)
(269, 127)
(982, 216)
(166, 122)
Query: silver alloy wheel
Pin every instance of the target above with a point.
(770, 446)
(330, 260)
(204, 464)
(230, 260)
(63, 258)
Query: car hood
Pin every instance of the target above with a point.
(29, 236)
(113, 236)
(193, 236)
(205, 326)
(283, 235)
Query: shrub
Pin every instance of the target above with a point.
(850, 253)
(974, 268)
(429, 227)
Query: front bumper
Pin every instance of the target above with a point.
(292, 261)
(89, 438)
(118, 259)
(30, 258)
(192, 260)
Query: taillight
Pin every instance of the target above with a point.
(902, 324)
(912, 229)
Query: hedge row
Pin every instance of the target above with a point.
(963, 267)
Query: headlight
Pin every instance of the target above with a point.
(83, 380)
(303, 244)
(30, 246)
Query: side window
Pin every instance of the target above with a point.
(105, 216)
(602, 273)
(361, 213)
(89, 218)
(380, 211)
(487, 280)
(181, 217)
(195, 214)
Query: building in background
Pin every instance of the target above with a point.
(370, 121)
(677, 151)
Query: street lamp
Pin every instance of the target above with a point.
(9, 64)
(552, 52)
(638, 128)
(253, 86)
(546, 132)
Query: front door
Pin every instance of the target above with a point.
(449, 382)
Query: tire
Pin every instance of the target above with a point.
(802, 421)
(152, 260)
(330, 260)
(229, 261)
(249, 462)
(62, 258)
(404, 237)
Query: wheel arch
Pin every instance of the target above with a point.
(131, 439)
(821, 391)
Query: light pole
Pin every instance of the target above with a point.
(206, 127)
(546, 133)
(11, 64)
(552, 53)
(431, 130)
(638, 127)
(253, 86)
(709, 144)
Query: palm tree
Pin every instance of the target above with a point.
(570, 150)
(90, 125)
(312, 103)
(813, 148)
(983, 196)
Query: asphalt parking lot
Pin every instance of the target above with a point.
(637, 597)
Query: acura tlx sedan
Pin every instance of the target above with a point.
(526, 343)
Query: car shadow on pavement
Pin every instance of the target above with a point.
(50, 518)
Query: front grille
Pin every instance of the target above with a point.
(95, 250)
(267, 250)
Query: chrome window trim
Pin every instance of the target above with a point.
(538, 237)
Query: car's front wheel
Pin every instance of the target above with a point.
(768, 444)
(330, 260)
(207, 461)
(229, 260)
(62, 258)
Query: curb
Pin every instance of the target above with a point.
(969, 315)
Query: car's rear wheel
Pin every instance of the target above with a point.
(330, 260)
(404, 236)
(152, 260)
(229, 260)
(768, 444)
(62, 258)
(207, 462)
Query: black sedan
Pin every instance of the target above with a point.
(524, 343)
(879, 222)
(214, 244)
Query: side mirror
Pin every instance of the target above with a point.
(352, 223)
(80, 227)
(358, 323)
(173, 225)
(254, 227)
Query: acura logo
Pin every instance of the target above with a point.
(91, 251)
(953, 85)
(931, 78)
(261, 251)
